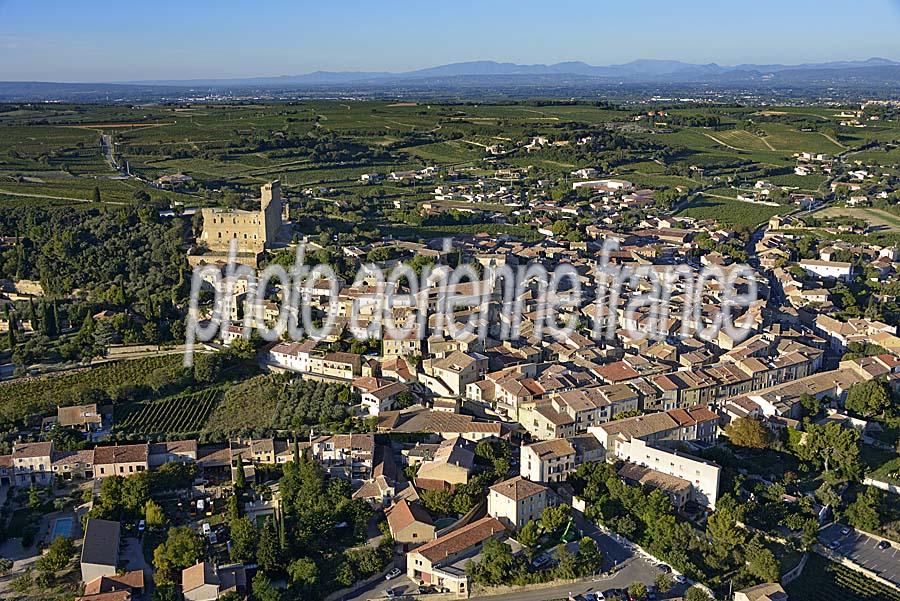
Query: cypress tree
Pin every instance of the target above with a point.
(240, 480)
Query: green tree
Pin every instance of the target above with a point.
(154, 516)
(761, 562)
(664, 582)
(748, 432)
(554, 518)
(268, 551)
(240, 480)
(495, 566)
(263, 589)
(304, 573)
(695, 593)
(182, 549)
(863, 512)
(868, 398)
(57, 556)
(834, 448)
(243, 540)
(638, 590)
(529, 536)
(96, 194)
(589, 557)
(722, 525)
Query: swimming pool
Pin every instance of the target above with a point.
(62, 527)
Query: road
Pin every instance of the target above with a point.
(863, 550)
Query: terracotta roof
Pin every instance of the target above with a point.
(198, 575)
(26, 450)
(549, 449)
(107, 584)
(402, 514)
(460, 540)
(518, 488)
(128, 453)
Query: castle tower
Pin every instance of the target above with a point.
(270, 201)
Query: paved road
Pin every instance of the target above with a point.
(863, 550)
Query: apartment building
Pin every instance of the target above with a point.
(547, 461)
(517, 501)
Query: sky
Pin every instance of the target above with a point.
(122, 40)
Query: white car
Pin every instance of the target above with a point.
(392, 574)
(679, 579)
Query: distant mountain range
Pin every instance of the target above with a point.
(639, 71)
(875, 76)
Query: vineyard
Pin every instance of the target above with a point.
(179, 414)
(823, 580)
(24, 397)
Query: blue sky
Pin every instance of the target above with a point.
(88, 40)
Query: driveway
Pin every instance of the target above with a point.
(863, 550)
(378, 589)
(132, 555)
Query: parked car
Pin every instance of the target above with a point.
(391, 593)
(426, 589)
(884, 545)
(665, 569)
(845, 531)
(392, 574)
(680, 579)
(142, 525)
(834, 544)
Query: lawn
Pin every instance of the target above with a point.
(730, 212)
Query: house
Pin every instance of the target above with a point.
(348, 455)
(204, 582)
(118, 586)
(292, 356)
(455, 371)
(84, 417)
(409, 523)
(381, 398)
(100, 551)
(32, 464)
(453, 462)
(175, 451)
(702, 476)
(547, 461)
(677, 489)
(442, 562)
(121, 460)
(517, 501)
(771, 591)
(827, 269)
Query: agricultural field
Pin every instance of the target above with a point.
(24, 397)
(823, 580)
(732, 212)
(179, 414)
(881, 221)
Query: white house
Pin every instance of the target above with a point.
(828, 269)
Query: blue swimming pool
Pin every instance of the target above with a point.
(62, 527)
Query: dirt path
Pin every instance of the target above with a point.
(718, 141)
(24, 195)
(766, 142)
(832, 140)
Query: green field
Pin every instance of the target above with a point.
(730, 212)
(179, 414)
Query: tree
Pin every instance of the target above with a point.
(589, 557)
(268, 551)
(263, 589)
(240, 480)
(243, 540)
(863, 512)
(638, 590)
(833, 447)
(695, 593)
(748, 432)
(664, 582)
(437, 501)
(182, 549)
(761, 562)
(496, 564)
(154, 516)
(553, 518)
(722, 525)
(868, 398)
(303, 572)
(529, 536)
(58, 554)
(810, 404)
(96, 194)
